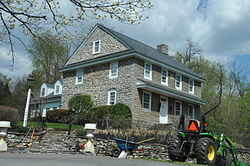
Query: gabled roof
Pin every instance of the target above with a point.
(49, 85)
(147, 50)
(143, 49)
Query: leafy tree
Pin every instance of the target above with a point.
(19, 94)
(244, 123)
(47, 58)
(32, 17)
(78, 105)
(4, 90)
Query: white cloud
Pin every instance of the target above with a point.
(22, 64)
(221, 28)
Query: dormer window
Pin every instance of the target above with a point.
(178, 82)
(57, 89)
(43, 92)
(96, 47)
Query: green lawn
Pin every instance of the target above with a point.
(52, 125)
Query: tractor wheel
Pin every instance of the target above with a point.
(205, 151)
(173, 150)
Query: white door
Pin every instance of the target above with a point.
(164, 112)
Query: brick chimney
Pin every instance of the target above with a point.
(163, 48)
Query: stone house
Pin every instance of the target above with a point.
(112, 67)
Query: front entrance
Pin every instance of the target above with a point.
(164, 111)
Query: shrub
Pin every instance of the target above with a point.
(80, 103)
(9, 114)
(57, 116)
(78, 106)
(121, 116)
(99, 115)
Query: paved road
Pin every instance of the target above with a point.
(10, 159)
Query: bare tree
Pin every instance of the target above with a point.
(33, 16)
(238, 83)
(190, 51)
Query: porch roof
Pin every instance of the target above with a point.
(166, 91)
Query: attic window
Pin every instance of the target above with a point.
(96, 47)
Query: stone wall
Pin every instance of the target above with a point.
(109, 45)
(156, 77)
(96, 83)
(60, 142)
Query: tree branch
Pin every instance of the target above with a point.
(10, 40)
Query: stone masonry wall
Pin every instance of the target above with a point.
(156, 78)
(109, 45)
(96, 83)
(60, 142)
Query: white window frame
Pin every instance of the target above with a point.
(44, 92)
(150, 72)
(150, 101)
(191, 91)
(109, 97)
(113, 66)
(94, 45)
(177, 101)
(191, 105)
(164, 83)
(178, 88)
(78, 75)
(57, 86)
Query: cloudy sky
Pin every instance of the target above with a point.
(220, 27)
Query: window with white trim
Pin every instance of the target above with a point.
(96, 47)
(178, 82)
(112, 97)
(146, 101)
(79, 76)
(43, 92)
(177, 108)
(148, 71)
(191, 110)
(164, 77)
(57, 89)
(191, 86)
(113, 70)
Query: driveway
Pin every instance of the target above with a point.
(14, 159)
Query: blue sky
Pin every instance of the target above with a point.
(220, 27)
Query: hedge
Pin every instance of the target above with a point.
(116, 116)
(57, 116)
(9, 114)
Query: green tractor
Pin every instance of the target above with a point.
(207, 147)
